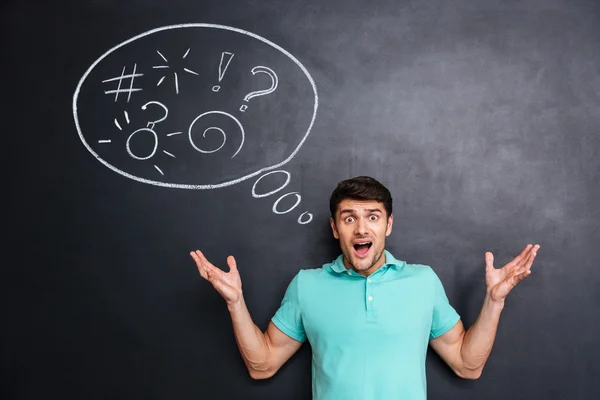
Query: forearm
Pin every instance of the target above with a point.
(250, 339)
(479, 338)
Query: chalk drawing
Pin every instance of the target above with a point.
(175, 77)
(304, 222)
(226, 58)
(280, 171)
(213, 128)
(298, 199)
(154, 137)
(151, 124)
(118, 125)
(274, 81)
(281, 187)
(120, 79)
(126, 83)
(148, 131)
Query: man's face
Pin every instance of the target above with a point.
(361, 226)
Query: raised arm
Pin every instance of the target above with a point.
(263, 353)
(466, 352)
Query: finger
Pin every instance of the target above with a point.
(489, 260)
(199, 265)
(203, 273)
(534, 251)
(207, 264)
(198, 257)
(531, 256)
(519, 259)
(232, 264)
(527, 264)
(204, 265)
(194, 256)
(519, 277)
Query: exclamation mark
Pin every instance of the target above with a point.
(225, 59)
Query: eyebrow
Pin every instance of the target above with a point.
(369, 210)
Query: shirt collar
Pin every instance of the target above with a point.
(338, 264)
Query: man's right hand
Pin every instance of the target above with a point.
(263, 353)
(228, 284)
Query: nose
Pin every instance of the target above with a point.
(361, 226)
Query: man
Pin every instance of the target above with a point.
(368, 316)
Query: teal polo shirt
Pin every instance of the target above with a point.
(369, 336)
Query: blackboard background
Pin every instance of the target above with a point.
(482, 117)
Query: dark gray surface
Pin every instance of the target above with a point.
(482, 117)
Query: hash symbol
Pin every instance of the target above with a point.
(131, 89)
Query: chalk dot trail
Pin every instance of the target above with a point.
(304, 218)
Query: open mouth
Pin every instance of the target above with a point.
(362, 248)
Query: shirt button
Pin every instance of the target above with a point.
(370, 298)
(369, 280)
(349, 273)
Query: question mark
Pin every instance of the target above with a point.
(149, 128)
(145, 106)
(274, 81)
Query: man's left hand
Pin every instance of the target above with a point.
(500, 281)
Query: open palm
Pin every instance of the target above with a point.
(500, 281)
(228, 284)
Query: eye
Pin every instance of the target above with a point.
(349, 219)
(373, 217)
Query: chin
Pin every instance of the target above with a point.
(363, 265)
(358, 264)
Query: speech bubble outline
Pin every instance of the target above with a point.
(190, 186)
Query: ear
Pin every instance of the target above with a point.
(390, 222)
(333, 228)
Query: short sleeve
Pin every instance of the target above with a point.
(444, 315)
(288, 317)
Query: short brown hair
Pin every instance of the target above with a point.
(360, 188)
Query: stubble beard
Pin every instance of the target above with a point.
(355, 265)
